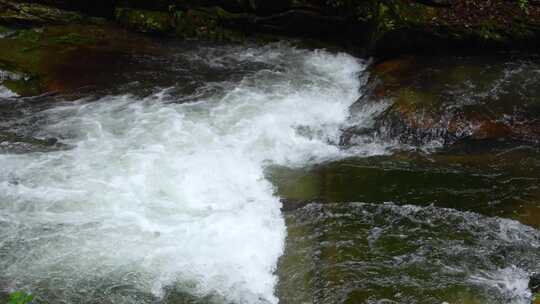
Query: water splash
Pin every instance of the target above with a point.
(6, 93)
(159, 195)
(511, 283)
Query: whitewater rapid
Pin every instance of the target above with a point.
(155, 193)
(4, 91)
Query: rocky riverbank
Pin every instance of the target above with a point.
(30, 31)
(382, 27)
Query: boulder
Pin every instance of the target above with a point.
(266, 7)
(61, 58)
(101, 8)
(301, 22)
(145, 20)
(399, 26)
(20, 13)
(444, 100)
(212, 23)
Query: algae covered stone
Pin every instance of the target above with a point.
(145, 20)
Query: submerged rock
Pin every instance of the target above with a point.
(483, 181)
(368, 253)
(16, 144)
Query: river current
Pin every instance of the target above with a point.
(162, 195)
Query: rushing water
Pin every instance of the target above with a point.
(126, 196)
(155, 193)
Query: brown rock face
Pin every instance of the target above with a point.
(451, 98)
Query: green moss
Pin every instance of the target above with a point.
(28, 36)
(388, 19)
(40, 54)
(207, 23)
(74, 39)
(19, 12)
(487, 31)
(4, 30)
(20, 297)
(25, 87)
(412, 99)
(145, 20)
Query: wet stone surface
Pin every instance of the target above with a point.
(444, 99)
(368, 253)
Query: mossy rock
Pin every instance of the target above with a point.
(145, 20)
(455, 97)
(34, 53)
(21, 13)
(25, 87)
(266, 7)
(59, 58)
(4, 30)
(399, 26)
(208, 23)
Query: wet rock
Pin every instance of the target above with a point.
(65, 57)
(442, 3)
(265, 7)
(292, 204)
(102, 8)
(13, 143)
(379, 27)
(389, 28)
(5, 32)
(466, 98)
(20, 13)
(301, 22)
(534, 283)
(145, 20)
(363, 252)
(212, 23)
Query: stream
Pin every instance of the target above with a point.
(223, 174)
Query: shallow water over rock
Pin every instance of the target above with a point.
(385, 253)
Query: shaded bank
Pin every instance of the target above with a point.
(81, 32)
(380, 27)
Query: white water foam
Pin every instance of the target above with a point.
(6, 93)
(159, 194)
(511, 282)
(5, 75)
